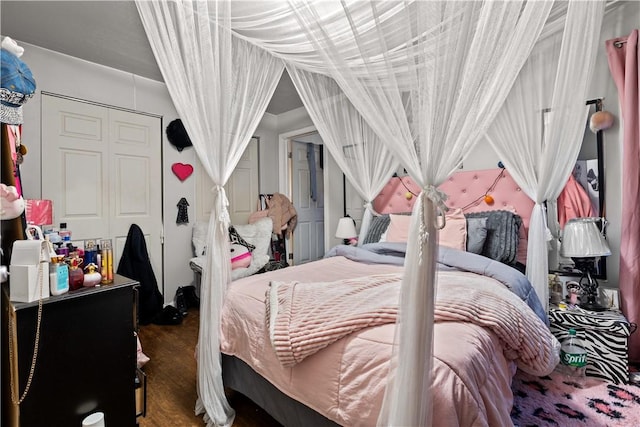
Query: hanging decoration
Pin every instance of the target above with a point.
(17, 84)
(183, 214)
(177, 135)
(488, 198)
(601, 120)
(182, 170)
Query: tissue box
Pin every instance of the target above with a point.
(605, 335)
(24, 283)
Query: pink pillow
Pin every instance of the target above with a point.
(398, 230)
(454, 233)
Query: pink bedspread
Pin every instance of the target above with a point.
(346, 380)
(305, 317)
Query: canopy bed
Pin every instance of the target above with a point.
(343, 343)
(386, 83)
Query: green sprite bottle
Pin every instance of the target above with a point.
(573, 356)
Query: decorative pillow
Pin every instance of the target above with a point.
(257, 234)
(199, 237)
(503, 228)
(398, 230)
(476, 234)
(240, 256)
(378, 226)
(454, 233)
(236, 239)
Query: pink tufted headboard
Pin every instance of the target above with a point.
(463, 188)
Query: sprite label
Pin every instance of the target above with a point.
(577, 360)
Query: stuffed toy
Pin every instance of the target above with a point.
(600, 120)
(11, 204)
(240, 250)
(240, 256)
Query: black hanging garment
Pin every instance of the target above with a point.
(135, 264)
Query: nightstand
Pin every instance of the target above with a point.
(605, 335)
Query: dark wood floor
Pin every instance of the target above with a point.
(171, 379)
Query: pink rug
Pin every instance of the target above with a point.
(557, 400)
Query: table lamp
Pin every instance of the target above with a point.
(346, 229)
(583, 242)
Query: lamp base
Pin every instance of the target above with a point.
(592, 306)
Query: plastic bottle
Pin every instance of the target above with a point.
(573, 356)
(58, 276)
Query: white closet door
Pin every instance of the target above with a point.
(102, 169)
(135, 181)
(242, 188)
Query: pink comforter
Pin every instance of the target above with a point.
(305, 317)
(345, 381)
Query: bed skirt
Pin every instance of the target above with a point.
(239, 376)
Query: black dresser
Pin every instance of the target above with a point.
(86, 360)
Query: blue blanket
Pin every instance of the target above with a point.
(448, 259)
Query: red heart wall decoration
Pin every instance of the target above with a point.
(182, 171)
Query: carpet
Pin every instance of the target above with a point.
(558, 400)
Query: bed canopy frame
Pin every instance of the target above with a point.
(416, 83)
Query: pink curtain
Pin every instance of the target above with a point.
(623, 63)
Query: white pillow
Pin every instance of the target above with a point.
(199, 237)
(259, 235)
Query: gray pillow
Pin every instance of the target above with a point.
(378, 226)
(501, 243)
(476, 234)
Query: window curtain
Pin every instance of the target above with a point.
(552, 86)
(623, 64)
(366, 161)
(220, 86)
(429, 80)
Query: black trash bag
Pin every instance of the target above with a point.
(135, 264)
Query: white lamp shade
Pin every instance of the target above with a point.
(582, 238)
(346, 228)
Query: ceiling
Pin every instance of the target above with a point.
(105, 32)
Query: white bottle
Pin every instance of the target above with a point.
(573, 356)
(58, 276)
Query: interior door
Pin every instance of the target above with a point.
(308, 237)
(102, 170)
(242, 188)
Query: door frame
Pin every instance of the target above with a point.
(332, 202)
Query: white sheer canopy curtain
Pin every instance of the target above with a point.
(554, 83)
(428, 77)
(220, 86)
(359, 152)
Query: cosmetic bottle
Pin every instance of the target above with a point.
(91, 276)
(90, 252)
(58, 276)
(106, 260)
(76, 275)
